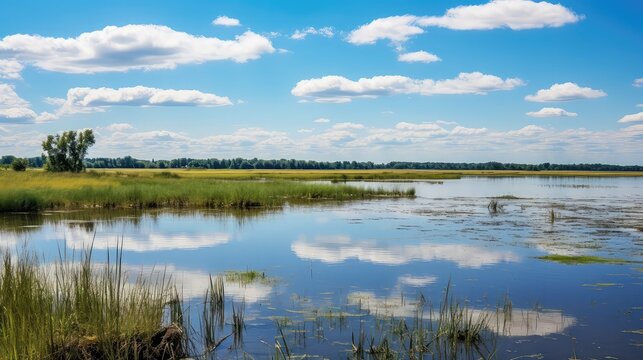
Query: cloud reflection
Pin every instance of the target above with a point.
(337, 249)
(520, 322)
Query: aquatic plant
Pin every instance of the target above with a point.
(494, 207)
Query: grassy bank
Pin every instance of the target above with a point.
(37, 190)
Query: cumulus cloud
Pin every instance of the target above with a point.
(88, 100)
(339, 89)
(327, 32)
(347, 126)
(632, 118)
(551, 112)
(16, 110)
(527, 131)
(118, 127)
(226, 21)
(321, 120)
(418, 56)
(397, 29)
(511, 14)
(10, 69)
(565, 92)
(130, 47)
(637, 83)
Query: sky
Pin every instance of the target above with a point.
(464, 80)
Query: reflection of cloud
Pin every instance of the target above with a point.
(79, 238)
(193, 284)
(416, 281)
(520, 322)
(337, 249)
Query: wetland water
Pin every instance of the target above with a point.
(337, 270)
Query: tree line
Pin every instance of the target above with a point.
(129, 162)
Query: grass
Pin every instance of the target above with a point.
(35, 191)
(583, 259)
(78, 310)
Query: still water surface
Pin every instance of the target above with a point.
(335, 270)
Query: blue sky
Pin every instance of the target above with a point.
(505, 80)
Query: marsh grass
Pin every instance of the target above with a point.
(583, 259)
(35, 191)
(81, 310)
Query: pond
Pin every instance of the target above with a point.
(332, 274)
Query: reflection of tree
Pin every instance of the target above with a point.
(22, 223)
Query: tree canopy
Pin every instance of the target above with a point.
(66, 151)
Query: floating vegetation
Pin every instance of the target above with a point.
(583, 259)
(602, 285)
(247, 277)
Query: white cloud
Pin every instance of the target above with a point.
(226, 21)
(527, 131)
(130, 47)
(551, 112)
(10, 69)
(16, 110)
(512, 14)
(327, 32)
(565, 92)
(321, 120)
(142, 96)
(418, 56)
(637, 83)
(461, 130)
(347, 126)
(305, 131)
(632, 118)
(335, 88)
(88, 100)
(118, 127)
(397, 29)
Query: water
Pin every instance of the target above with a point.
(335, 270)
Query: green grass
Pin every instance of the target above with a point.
(78, 310)
(583, 259)
(35, 191)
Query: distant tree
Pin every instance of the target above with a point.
(66, 151)
(19, 164)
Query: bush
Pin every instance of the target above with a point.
(19, 164)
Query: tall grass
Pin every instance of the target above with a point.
(34, 191)
(78, 310)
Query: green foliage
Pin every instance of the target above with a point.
(582, 259)
(66, 151)
(19, 164)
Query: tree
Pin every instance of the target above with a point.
(19, 164)
(66, 151)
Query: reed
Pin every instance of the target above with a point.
(80, 310)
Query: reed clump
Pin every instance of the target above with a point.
(81, 310)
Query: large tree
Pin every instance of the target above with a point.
(66, 151)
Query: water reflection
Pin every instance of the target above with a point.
(516, 322)
(337, 249)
